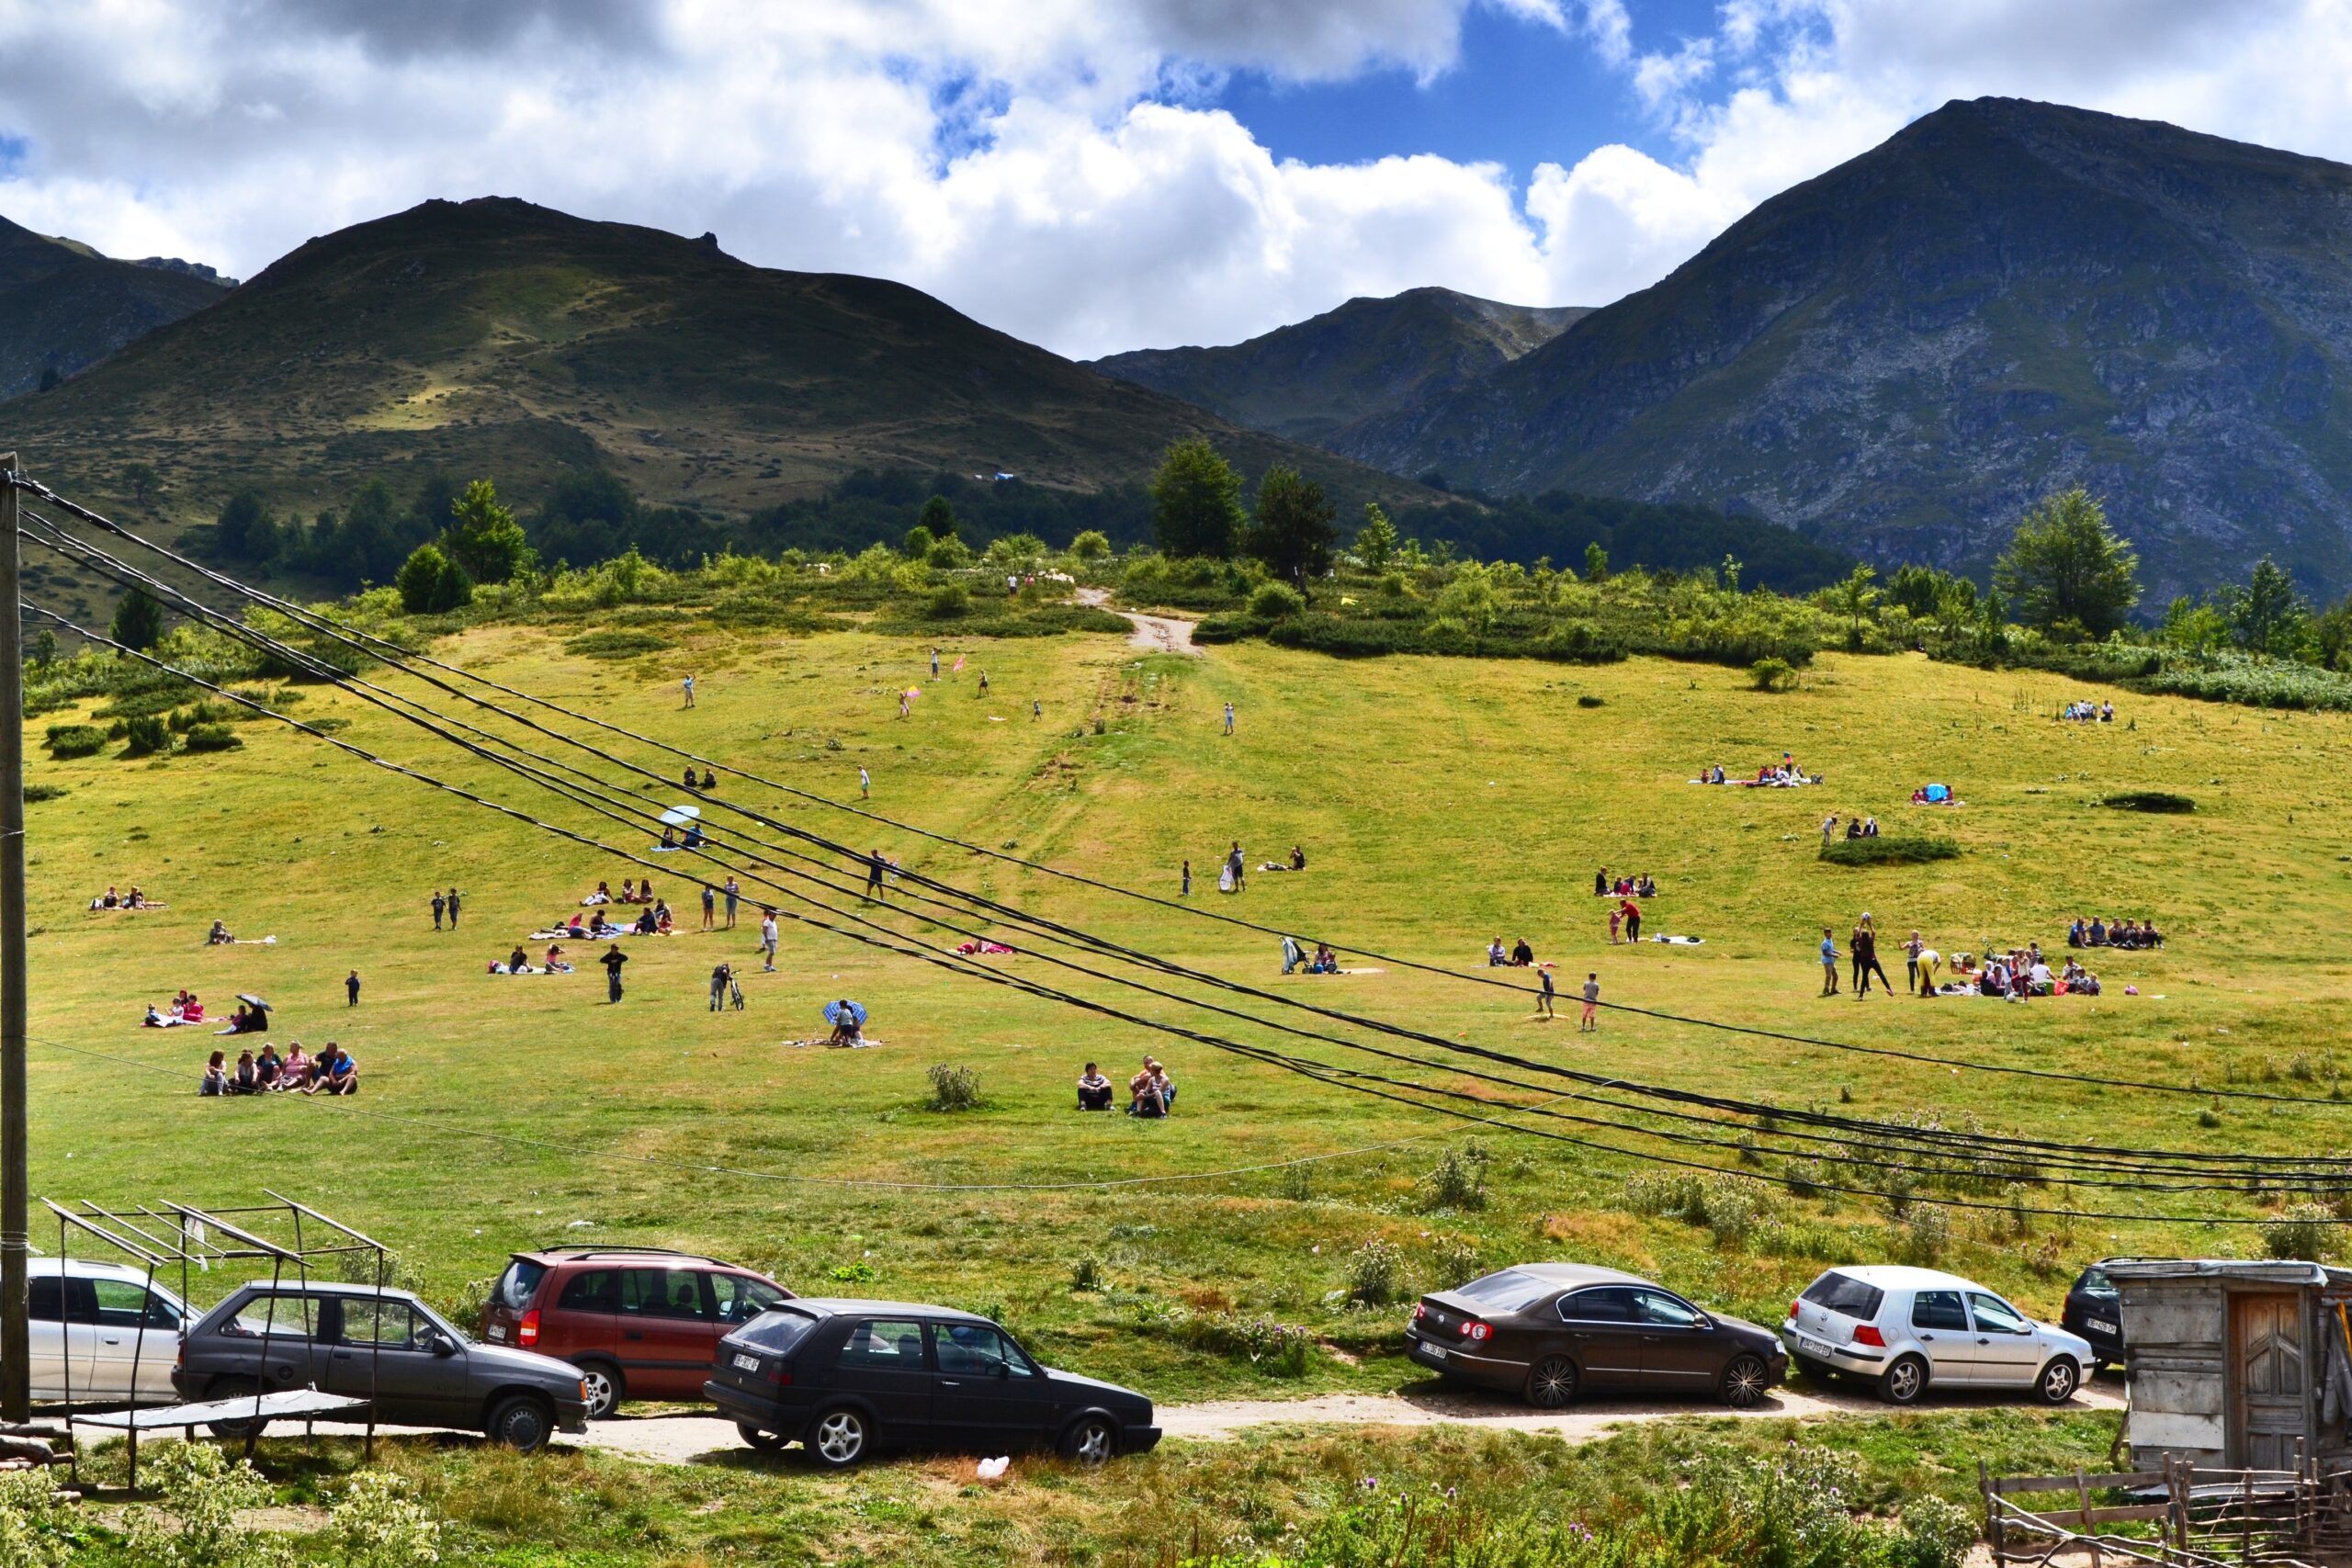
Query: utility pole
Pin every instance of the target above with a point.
(16, 1348)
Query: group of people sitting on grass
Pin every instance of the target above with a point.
(1604, 886)
(1150, 1092)
(184, 1009)
(1934, 794)
(672, 840)
(1296, 961)
(2096, 932)
(519, 963)
(331, 1071)
(134, 899)
(709, 779)
(2017, 973)
(630, 892)
(1521, 955)
(1783, 775)
(1297, 862)
(1861, 826)
(2090, 713)
(595, 928)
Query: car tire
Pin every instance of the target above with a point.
(521, 1421)
(839, 1437)
(1904, 1382)
(234, 1388)
(606, 1388)
(2056, 1383)
(760, 1438)
(1551, 1383)
(1746, 1383)
(1092, 1440)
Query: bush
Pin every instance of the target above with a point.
(1085, 1274)
(1458, 1181)
(378, 1523)
(1275, 600)
(75, 739)
(1588, 701)
(2305, 1232)
(954, 1088)
(1889, 849)
(1772, 674)
(430, 582)
(34, 792)
(212, 737)
(195, 1524)
(949, 602)
(616, 644)
(145, 736)
(1729, 1208)
(1278, 1349)
(2149, 800)
(1375, 1273)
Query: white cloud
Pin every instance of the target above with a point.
(1048, 165)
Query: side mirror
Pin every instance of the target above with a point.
(1004, 1369)
(444, 1346)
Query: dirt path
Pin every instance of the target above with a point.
(1153, 634)
(687, 1438)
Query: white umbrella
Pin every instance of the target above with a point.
(678, 816)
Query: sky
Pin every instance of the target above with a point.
(1089, 174)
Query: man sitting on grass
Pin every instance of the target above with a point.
(1094, 1089)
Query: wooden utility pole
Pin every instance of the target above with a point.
(16, 1348)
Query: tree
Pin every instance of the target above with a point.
(430, 582)
(243, 530)
(1596, 562)
(2066, 564)
(45, 648)
(918, 543)
(1091, 544)
(1470, 599)
(938, 516)
(2194, 628)
(143, 482)
(1196, 502)
(1855, 596)
(2267, 615)
(138, 621)
(1376, 540)
(1731, 570)
(1292, 533)
(483, 538)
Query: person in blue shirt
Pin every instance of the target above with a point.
(1828, 963)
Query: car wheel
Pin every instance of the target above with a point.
(1090, 1440)
(521, 1422)
(839, 1440)
(234, 1388)
(602, 1383)
(1551, 1383)
(1746, 1383)
(2058, 1380)
(1904, 1382)
(758, 1437)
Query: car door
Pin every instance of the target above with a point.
(2007, 1351)
(1940, 1322)
(1602, 1330)
(382, 1351)
(48, 1335)
(136, 1335)
(271, 1339)
(985, 1394)
(669, 1329)
(1679, 1350)
(884, 1363)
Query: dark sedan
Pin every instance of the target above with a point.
(1549, 1331)
(2094, 1310)
(845, 1378)
(382, 1346)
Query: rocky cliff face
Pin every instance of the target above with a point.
(1902, 355)
(64, 306)
(1367, 358)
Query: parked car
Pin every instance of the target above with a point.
(1910, 1329)
(2095, 1312)
(843, 1378)
(1549, 1331)
(99, 1332)
(388, 1346)
(639, 1322)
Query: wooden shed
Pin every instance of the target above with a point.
(2227, 1360)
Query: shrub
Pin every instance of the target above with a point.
(145, 736)
(36, 1528)
(1274, 600)
(2303, 1232)
(1923, 1235)
(195, 1523)
(1730, 1208)
(1458, 1181)
(1085, 1274)
(182, 720)
(1772, 674)
(2149, 800)
(1278, 1349)
(616, 644)
(430, 582)
(1375, 1273)
(1889, 849)
(1588, 701)
(1454, 1262)
(75, 739)
(34, 792)
(949, 601)
(954, 1088)
(378, 1523)
(212, 737)
(1090, 543)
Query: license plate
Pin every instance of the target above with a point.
(2103, 1326)
(747, 1363)
(1812, 1347)
(1436, 1350)
(497, 1331)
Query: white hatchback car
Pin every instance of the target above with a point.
(103, 1323)
(1910, 1328)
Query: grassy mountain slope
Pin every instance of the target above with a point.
(496, 337)
(1366, 358)
(64, 306)
(2003, 298)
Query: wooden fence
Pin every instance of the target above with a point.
(2179, 1517)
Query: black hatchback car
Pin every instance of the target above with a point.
(843, 1378)
(2094, 1310)
(1549, 1331)
(383, 1345)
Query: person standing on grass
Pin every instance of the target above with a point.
(453, 908)
(934, 664)
(1591, 1023)
(864, 784)
(984, 684)
(1633, 920)
(767, 940)
(874, 865)
(439, 905)
(1866, 961)
(1616, 918)
(1228, 718)
(690, 691)
(612, 961)
(719, 977)
(709, 907)
(732, 891)
(1829, 829)
(1912, 948)
(351, 988)
(1828, 963)
(1036, 708)
(1543, 997)
(1235, 864)
(1188, 879)
(905, 706)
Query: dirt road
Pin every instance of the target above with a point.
(1153, 634)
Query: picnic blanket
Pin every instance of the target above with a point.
(1679, 941)
(164, 1020)
(245, 941)
(988, 949)
(862, 1043)
(587, 933)
(101, 903)
(532, 969)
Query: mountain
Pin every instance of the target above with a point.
(64, 306)
(494, 338)
(1368, 358)
(2004, 298)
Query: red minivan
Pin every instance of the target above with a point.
(639, 1322)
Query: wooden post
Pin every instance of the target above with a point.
(16, 1346)
(1992, 1533)
(2246, 1525)
(2082, 1501)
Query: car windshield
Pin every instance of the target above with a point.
(1508, 1290)
(1844, 1294)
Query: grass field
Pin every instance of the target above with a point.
(1441, 803)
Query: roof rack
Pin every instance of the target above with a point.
(582, 1246)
